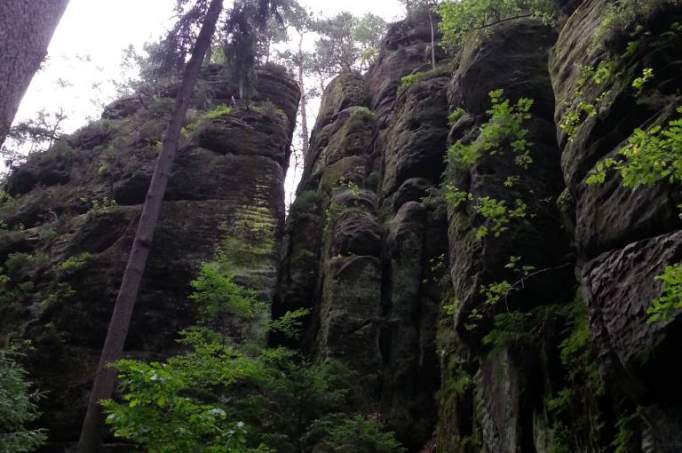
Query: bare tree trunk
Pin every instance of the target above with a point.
(304, 98)
(26, 28)
(433, 40)
(90, 438)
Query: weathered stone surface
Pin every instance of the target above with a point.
(504, 401)
(487, 398)
(374, 298)
(394, 277)
(350, 316)
(350, 134)
(639, 356)
(413, 189)
(513, 58)
(356, 233)
(346, 90)
(416, 138)
(404, 49)
(610, 215)
(624, 237)
(409, 367)
(253, 132)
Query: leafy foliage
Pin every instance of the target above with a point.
(357, 434)
(455, 115)
(509, 328)
(574, 409)
(220, 396)
(641, 81)
(410, 79)
(461, 18)
(624, 15)
(497, 214)
(505, 126)
(17, 406)
(346, 43)
(650, 156)
(670, 301)
(31, 136)
(218, 112)
(218, 296)
(581, 108)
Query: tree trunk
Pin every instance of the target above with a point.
(304, 97)
(26, 28)
(90, 438)
(433, 41)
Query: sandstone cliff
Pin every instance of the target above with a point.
(72, 220)
(402, 283)
(397, 277)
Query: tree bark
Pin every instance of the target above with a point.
(304, 98)
(26, 28)
(90, 438)
(433, 41)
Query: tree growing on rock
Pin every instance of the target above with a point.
(346, 43)
(103, 385)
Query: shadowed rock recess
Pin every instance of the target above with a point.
(396, 275)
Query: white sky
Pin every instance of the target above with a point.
(86, 50)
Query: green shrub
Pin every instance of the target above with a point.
(669, 302)
(357, 434)
(218, 112)
(650, 156)
(219, 299)
(407, 81)
(461, 18)
(74, 263)
(455, 115)
(505, 126)
(512, 328)
(581, 108)
(17, 406)
(640, 82)
(222, 396)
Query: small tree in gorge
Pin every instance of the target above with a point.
(207, 14)
(120, 319)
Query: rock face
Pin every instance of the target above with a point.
(74, 209)
(624, 237)
(495, 304)
(401, 282)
